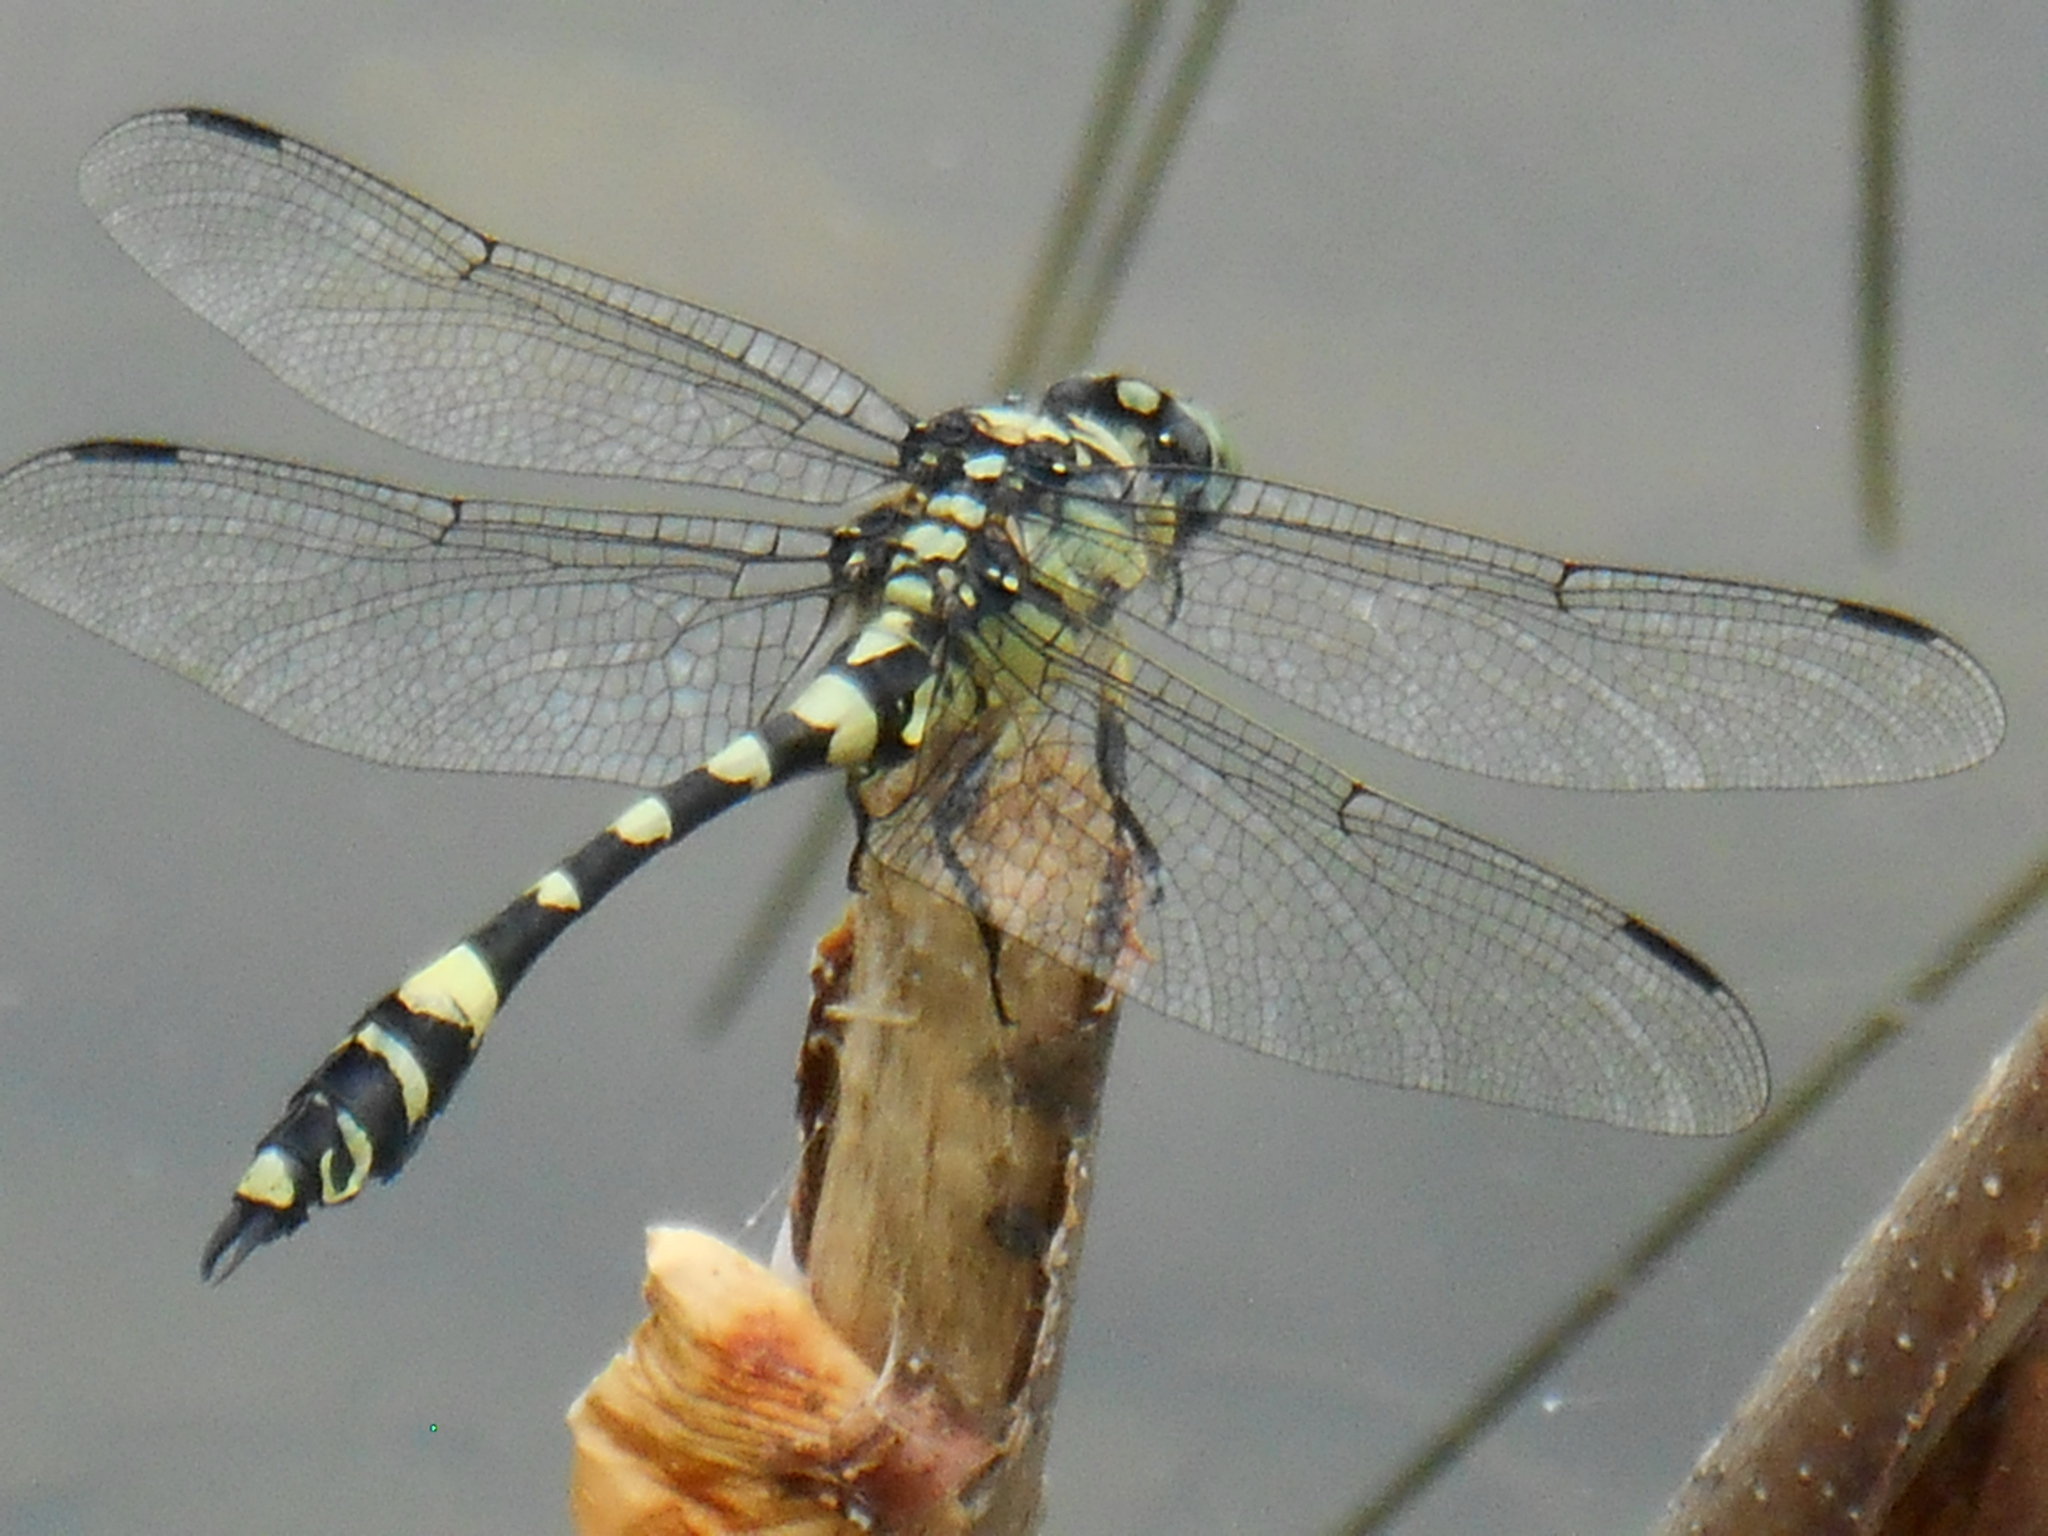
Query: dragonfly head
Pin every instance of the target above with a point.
(1178, 444)
(1153, 426)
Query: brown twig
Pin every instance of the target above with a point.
(948, 1154)
(1870, 1397)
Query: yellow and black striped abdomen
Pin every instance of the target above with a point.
(366, 1108)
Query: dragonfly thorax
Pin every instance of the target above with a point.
(1075, 500)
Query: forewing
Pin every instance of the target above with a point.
(414, 629)
(413, 325)
(1506, 662)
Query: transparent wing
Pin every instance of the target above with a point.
(417, 630)
(1323, 923)
(1506, 662)
(1293, 910)
(398, 318)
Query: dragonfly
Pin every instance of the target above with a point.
(934, 602)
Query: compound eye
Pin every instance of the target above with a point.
(1082, 393)
(1183, 440)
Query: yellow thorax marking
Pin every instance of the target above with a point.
(934, 542)
(1015, 425)
(963, 511)
(910, 590)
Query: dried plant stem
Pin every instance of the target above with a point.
(1863, 1402)
(947, 1094)
(948, 1147)
(737, 1409)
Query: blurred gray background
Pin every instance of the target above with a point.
(1572, 275)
